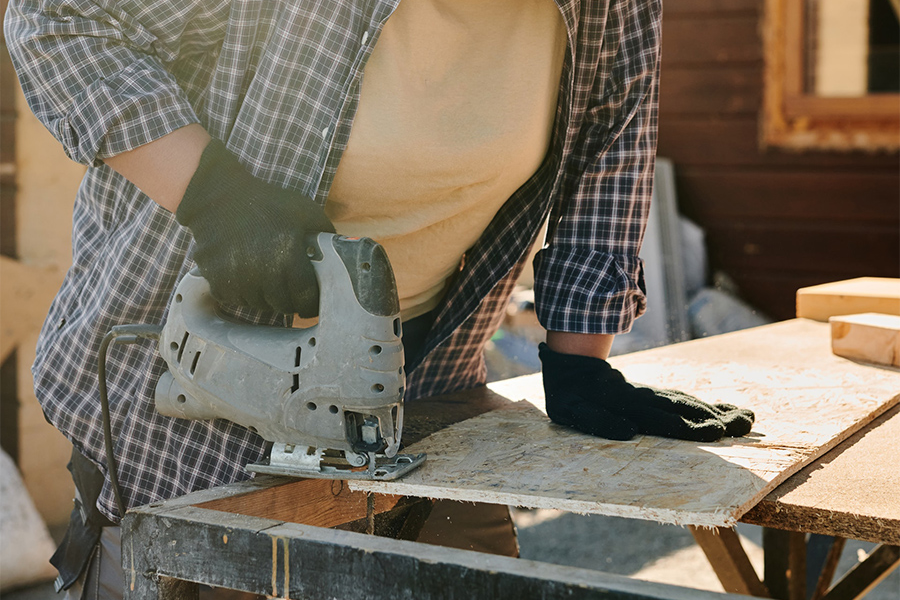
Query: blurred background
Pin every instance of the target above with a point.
(779, 129)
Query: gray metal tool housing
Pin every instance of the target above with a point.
(334, 388)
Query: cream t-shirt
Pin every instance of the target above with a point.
(456, 111)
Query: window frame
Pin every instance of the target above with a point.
(794, 119)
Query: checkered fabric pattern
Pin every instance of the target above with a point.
(279, 82)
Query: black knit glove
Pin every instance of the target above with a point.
(587, 394)
(250, 236)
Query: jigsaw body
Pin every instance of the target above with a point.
(330, 397)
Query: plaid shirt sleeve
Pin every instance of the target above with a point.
(112, 92)
(589, 279)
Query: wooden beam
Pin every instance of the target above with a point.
(849, 297)
(728, 559)
(866, 575)
(829, 566)
(318, 502)
(785, 563)
(25, 296)
(288, 560)
(870, 337)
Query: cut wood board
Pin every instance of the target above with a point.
(849, 492)
(849, 297)
(806, 401)
(871, 337)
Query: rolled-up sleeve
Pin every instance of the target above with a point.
(588, 278)
(94, 73)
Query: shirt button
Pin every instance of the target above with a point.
(325, 133)
(365, 37)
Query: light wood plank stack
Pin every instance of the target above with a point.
(849, 297)
(869, 337)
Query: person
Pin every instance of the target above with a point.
(221, 133)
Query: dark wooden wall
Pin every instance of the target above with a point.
(9, 401)
(775, 221)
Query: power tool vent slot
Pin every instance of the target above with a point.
(194, 362)
(296, 385)
(184, 341)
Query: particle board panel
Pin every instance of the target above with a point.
(806, 401)
(849, 492)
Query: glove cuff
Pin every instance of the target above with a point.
(219, 170)
(559, 361)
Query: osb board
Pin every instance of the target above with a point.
(806, 401)
(849, 492)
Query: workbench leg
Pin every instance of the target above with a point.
(866, 575)
(823, 552)
(785, 563)
(163, 588)
(725, 553)
(176, 589)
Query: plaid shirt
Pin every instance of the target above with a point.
(279, 82)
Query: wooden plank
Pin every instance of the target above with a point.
(850, 492)
(726, 38)
(785, 564)
(727, 90)
(7, 217)
(859, 295)
(25, 296)
(734, 140)
(728, 559)
(9, 407)
(785, 372)
(841, 196)
(866, 575)
(804, 246)
(688, 7)
(870, 337)
(299, 561)
(319, 502)
(829, 566)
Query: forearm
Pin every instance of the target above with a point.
(163, 168)
(596, 345)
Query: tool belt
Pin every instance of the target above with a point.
(85, 525)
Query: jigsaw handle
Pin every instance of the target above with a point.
(327, 385)
(370, 273)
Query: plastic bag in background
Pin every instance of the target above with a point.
(25, 543)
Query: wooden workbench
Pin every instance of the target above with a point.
(265, 535)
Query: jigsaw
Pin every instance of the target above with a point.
(329, 397)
